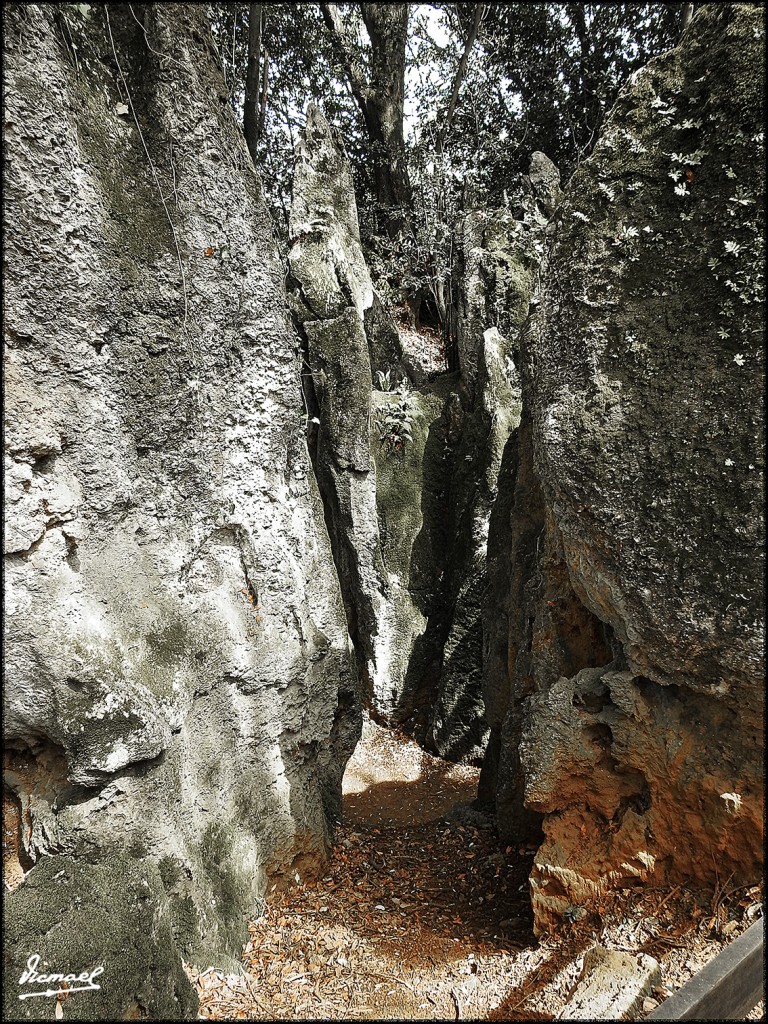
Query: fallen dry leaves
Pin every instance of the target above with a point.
(418, 917)
(422, 916)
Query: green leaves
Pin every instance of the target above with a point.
(395, 421)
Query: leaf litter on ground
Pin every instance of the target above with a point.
(423, 916)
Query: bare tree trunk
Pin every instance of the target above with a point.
(387, 26)
(264, 91)
(354, 70)
(381, 98)
(251, 119)
(462, 70)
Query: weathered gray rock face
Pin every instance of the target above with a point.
(382, 445)
(457, 727)
(412, 473)
(500, 252)
(180, 691)
(333, 293)
(326, 257)
(499, 255)
(408, 501)
(637, 496)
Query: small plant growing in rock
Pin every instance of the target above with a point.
(385, 382)
(395, 423)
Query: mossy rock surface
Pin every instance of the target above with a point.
(643, 373)
(649, 358)
(178, 676)
(77, 916)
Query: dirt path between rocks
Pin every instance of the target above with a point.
(422, 916)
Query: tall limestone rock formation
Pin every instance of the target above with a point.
(180, 691)
(371, 479)
(632, 730)
(409, 474)
(500, 253)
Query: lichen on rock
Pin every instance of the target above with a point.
(179, 681)
(642, 428)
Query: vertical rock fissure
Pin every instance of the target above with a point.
(408, 463)
(312, 412)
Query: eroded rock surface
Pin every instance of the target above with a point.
(611, 986)
(408, 502)
(500, 253)
(634, 691)
(457, 724)
(333, 300)
(180, 691)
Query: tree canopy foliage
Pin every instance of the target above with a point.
(540, 77)
(440, 105)
(301, 65)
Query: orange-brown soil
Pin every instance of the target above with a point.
(422, 916)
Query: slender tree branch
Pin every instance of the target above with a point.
(462, 70)
(345, 49)
(250, 107)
